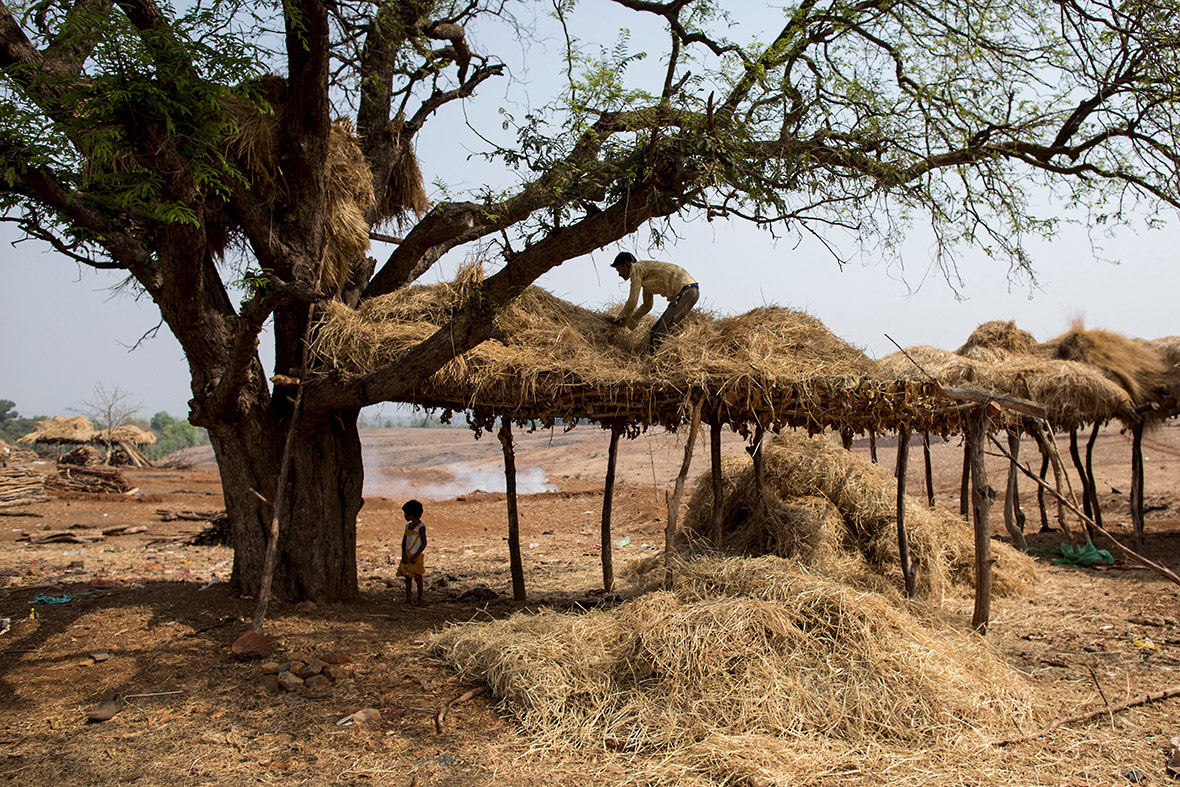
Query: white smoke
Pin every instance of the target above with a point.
(464, 479)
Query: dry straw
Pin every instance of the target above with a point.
(60, 429)
(560, 360)
(831, 509)
(744, 656)
(1137, 367)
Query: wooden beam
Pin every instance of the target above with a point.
(612, 455)
(514, 559)
(678, 491)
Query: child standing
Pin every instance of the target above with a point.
(413, 565)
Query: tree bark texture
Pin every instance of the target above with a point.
(965, 483)
(317, 549)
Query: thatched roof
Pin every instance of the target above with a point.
(128, 433)
(562, 362)
(997, 340)
(1137, 367)
(60, 429)
(1073, 393)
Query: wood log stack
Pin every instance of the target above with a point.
(88, 479)
(20, 487)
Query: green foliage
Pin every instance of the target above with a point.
(173, 435)
(12, 425)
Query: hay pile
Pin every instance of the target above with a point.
(1138, 367)
(832, 510)
(750, 669)
(562, 360)
(997, 340)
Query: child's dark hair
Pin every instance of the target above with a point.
(412, 509)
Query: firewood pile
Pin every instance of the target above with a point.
(19, 487)
(82, 456)
(88, 479)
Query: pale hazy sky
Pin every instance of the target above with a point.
(63, 331)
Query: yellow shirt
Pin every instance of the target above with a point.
(652, 278)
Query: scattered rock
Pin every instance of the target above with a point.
(337, 657)
(271, 683)
(295, 667)
(317, 683)
(334, 672)
(290, 682)
(365, 715)
(99, 655)
(104, 711)
(251, 645)
(268, 668)
(309, 670)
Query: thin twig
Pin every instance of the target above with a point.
(1142, 699)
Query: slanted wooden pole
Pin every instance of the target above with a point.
(678, 490)
(929, 469)
(1080, 466)
(1045, 439)
(1013, 518)
(873, 446)
(981, 503)
(612, 455)
(515, 563)
(903, 543)
(1137, 480)
(715, 465)
(1092, 491)
(965, 482)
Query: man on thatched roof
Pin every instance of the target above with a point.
(655, 278)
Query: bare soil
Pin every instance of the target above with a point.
(192, 714)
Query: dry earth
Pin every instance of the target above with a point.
(191, 714)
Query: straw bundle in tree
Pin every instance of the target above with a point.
(859, 530)
(1136, 366)
(998, 340)
(404, 194)
(748, 666)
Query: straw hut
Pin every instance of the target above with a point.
(60, 430)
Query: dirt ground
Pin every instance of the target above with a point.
(150, 620)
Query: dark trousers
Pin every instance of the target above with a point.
(677, 310)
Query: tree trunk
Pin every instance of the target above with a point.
(981, 502)
(317, 549)
(1080, 466)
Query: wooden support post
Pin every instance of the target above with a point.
(612, 455)
(981, 502)
(1137, 480)
(715, 466)
(759, 456)
(929, 469)
(1080, 466)
(1092, 490)
(515, 563)
(1045, 439)
(1041, 493)
(903, 542)
(965, 482)
(678, 490)
(873, 446)
(1013, 518)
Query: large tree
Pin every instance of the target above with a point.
(125, 143)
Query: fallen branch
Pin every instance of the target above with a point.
(1142, 699)
(441, 716)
